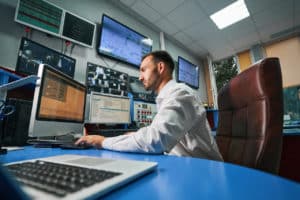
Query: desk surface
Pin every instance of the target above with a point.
(183, 177)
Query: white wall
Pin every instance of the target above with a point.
(11, 33)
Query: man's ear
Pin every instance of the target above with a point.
(161, 67)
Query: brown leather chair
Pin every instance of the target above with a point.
(250, 122)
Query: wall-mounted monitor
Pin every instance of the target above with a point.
(78, 30)
(106, 80)
(122, 43)
(58, 104)
(31, 54)
(188, 73)
(41, 15)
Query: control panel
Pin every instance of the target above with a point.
(143, 113)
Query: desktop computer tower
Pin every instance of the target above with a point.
(14, 127)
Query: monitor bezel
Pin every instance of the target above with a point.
(115, 57)
(182, 81)
(23, 39)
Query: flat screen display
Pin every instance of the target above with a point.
(120, 42)
(31, 54)
(78, 30)
(188, 73)
(109, 109)
(40, 15)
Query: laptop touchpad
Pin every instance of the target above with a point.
(89, 161)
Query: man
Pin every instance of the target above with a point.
(179, 127)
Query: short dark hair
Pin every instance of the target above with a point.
(161, 56)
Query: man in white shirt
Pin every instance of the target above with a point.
(180, 126)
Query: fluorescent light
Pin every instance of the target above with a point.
(231, 14)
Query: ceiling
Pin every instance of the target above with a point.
(187, 23)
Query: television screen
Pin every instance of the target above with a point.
(31, 54)
(188, 73)
(119, 42)
(40, 15)
(78, 30)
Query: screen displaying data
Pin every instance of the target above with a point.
(78, 29)
(109, 109)
(188, 73)
(41, 15)
(122, 43)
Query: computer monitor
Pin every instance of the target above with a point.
(188, 73)
(58, 104)
(108, 109)
(31, 54)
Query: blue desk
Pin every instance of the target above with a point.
(183, 178)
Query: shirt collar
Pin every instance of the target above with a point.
(164, 91)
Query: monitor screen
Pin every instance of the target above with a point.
(58, 104)
(187, 73)
(120, 42)
(78, 30)
(31, 54)
(108, 109)
(106, 80)
(41, 15)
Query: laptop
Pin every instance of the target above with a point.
(87, 183)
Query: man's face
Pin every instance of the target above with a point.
(149, 75)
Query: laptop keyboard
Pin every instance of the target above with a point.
(58, 179)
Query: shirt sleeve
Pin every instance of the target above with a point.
(175, 117)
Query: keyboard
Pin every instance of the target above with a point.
(112, 132)
(58, 179)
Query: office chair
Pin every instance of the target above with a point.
(250, 123)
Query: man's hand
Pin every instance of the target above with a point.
(95, 140)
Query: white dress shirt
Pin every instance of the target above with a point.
(179, 128)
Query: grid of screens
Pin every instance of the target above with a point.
(106, 80)
(49, 18)
(188, 73)
(58, 104)
(119, 42)
(109, 109)
(31, 54)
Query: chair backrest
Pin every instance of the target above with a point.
(250, 123)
